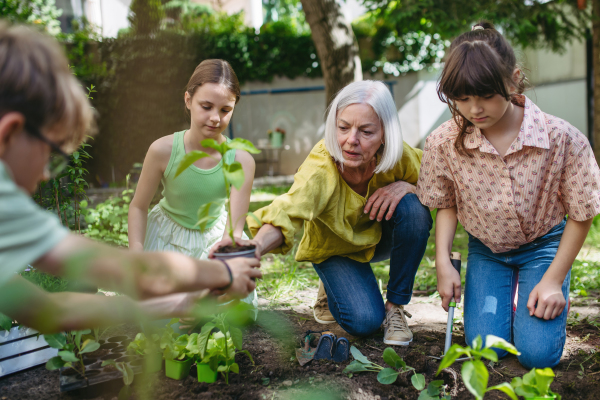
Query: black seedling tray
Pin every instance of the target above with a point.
(114, 348)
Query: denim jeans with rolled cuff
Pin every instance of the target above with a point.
(352, 290)
(490, 288)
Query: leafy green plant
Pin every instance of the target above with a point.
(233, 174)
(72, 346)
(535, 383)
(177, 347)
(128, 375)
(385, 375)
(474, 373)
(108, 220)
(143, 345)
(5, 322)
(436, 390)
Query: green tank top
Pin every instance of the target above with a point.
(183, 196)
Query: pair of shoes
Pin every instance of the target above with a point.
(321, 308)
(332, 348)
(395, 327)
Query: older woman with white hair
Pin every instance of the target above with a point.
(354, 195)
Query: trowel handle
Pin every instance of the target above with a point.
(455, 261)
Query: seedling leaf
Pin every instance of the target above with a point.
(243, 144)
(206, 214)
(236, 337)
(433, 389)
(544, 378)
(477, 343)
(5, 322)
(235, 368)
(246, 352)
(68, 356)
(54, 363)
(506, 389)
(127, 374)
(89, 346)
(358, 356)
(234, 174)
(499, 343)
(56, 341)
(453, 353)
(392, 359)
(212, 144)
(203, 338)
(418, 381)
(356, 366)
(489, 354)
(475, 377)
(425, 396)
(387, 376)
(188, 160)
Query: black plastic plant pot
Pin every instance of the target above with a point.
(244, 253)
(178, 369)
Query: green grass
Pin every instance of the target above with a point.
(47, 282)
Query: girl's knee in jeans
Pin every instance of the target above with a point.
(537, 357)
(363, 323)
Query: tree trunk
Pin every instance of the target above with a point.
(596, 67)
(336, 44)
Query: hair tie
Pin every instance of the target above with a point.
(230, 277)
(477, 27)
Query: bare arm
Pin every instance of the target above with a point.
(548, 293)
(448, 278)
(154, 167)
(269, 237)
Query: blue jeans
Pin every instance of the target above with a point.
(490, 287)
(352, 291)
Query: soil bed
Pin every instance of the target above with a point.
(277, 374)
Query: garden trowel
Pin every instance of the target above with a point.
(455, 260)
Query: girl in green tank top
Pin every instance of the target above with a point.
(211, 95)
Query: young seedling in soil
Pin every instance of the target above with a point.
(124, 369)
(436, 390)
(143, 345)
(71, 350)
(233, 174)
(474, 372)
(386, 376)
(535, 384)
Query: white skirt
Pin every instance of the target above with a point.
(164, 234)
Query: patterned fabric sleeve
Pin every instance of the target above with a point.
(580, 180)
(435, 187)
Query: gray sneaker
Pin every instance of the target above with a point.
(321, 308)
(395, 328)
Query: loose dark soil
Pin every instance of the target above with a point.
(230, 249)
(277, 375)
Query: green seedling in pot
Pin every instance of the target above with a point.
(385, 375)
(474, 373)
(233, 174)
(436, 390)
(72, 346)
(143, 345)
(127, 372)
(535, 384)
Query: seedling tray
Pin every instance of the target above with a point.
(114, 348)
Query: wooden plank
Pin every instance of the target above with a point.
(16, 333)
(22, 346)
(17, 364)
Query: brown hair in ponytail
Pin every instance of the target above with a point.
(480, 62)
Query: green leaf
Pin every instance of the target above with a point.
(234, 368)
(127, 374)
(392, 359)
(212, 144)
(425, 396)
(89, 346)
(418, 381)
(236, 337)
(207, 213)
(499, 343)
(505, 388)
(251, 214)
(5, 322)
(203, 338)
(544, 378)
(56, 341)
(356, 366)
(125, 393)
(54, 363)
(234, 174)
(450, 357)
(243, 144)
(108, 362)
(188, 160)
(489, 354)
(477, 343)
(387, 376)
(433, 389)
(68, 356)
(358, 356)
(246, 352)
(475, 377)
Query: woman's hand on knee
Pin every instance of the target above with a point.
(449, 285)
(386, 199)
(546, 300)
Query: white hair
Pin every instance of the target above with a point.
(377, 95)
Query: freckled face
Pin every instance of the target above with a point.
(211, 108)
(359, 133)
(483, 112)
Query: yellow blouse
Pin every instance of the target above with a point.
(333, 214)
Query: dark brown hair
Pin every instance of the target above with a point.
(214, 71)
(480, 63)
(35, 81)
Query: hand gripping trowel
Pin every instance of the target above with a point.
(455, 260)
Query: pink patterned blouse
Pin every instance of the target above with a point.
(506, 202)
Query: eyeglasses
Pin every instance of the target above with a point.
(58, 158)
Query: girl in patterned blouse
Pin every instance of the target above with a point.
(510, 174)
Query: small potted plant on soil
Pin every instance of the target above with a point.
(148, 348)
(177, 354)
(233, 174)
(535, 385)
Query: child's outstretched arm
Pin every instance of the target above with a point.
(155, 164)
(548, 294)
(448, 278)
(240, 201)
